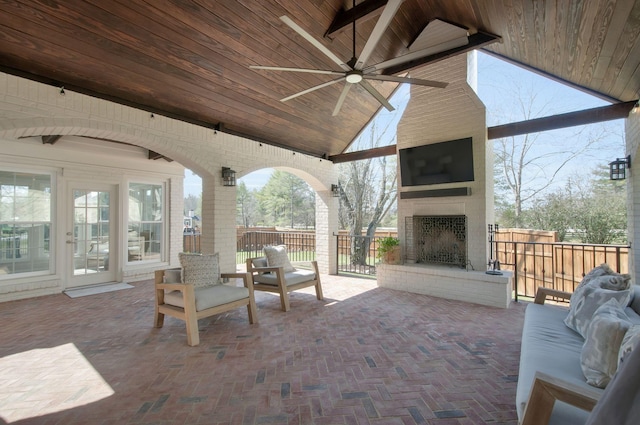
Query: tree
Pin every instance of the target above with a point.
(246, 206)
(287, 200)
(594, 210)
(368, 191)
(527, 165)
(192, 203)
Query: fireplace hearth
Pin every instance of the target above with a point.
(440, 239)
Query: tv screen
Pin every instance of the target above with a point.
(445, 162)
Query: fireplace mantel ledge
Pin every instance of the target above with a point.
(448, 282)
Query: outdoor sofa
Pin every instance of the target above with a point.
(555, 358)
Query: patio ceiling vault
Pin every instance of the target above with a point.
(190, 60)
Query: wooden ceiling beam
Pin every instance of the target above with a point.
(346, 17)
(476, 41)
(369, 153)
(570, 119)
(588, 116)
(155, 155)
(50, 140)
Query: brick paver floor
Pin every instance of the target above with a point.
(364, 355)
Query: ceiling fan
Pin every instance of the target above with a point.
(353, 71)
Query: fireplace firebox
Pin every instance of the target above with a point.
(440, 239)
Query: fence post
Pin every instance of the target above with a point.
(515, 269)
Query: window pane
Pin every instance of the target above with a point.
(25, 215)
(145, 222)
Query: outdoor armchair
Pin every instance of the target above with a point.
(274, 273)
(196, 291)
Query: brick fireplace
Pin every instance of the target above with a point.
(452, 262)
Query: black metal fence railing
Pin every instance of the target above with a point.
(555, 265)
(301, 246)
(357, 254)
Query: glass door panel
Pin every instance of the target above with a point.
(92, 236)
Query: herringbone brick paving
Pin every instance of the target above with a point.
(364, 355)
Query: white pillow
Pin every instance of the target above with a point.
(589, 296)
(277, 257)
(599, 357)
(200, 270)
(630, 342)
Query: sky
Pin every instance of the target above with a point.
(502, 87)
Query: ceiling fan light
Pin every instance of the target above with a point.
(354, 77)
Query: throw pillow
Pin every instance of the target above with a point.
(200, 270)
(629, 342)
(588, 297)
(277, 257)
(599, 357)
(601, 270)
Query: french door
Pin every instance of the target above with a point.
(92, 245)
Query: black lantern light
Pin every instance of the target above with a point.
(228, 177)
(617, 168)
(335, 190)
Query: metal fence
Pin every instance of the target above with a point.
(357, 254)
(301, 246)
(555, 265)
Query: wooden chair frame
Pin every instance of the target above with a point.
(189, 313)
(282, 288)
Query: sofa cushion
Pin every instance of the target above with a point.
(587, 298)
(549, 346)
(208, 297)
(200, 270)
(277, 257)
(599, 357)
(291, 278)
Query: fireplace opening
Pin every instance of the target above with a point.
(437, 239)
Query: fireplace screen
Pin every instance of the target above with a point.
(437, 239)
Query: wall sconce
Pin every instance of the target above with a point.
(228, 177)
(335, 190)
(617, 168)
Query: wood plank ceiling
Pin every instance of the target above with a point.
(190, 59)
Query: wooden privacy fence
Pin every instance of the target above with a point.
(538, 259)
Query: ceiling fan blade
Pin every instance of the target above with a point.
(383, 22)
(309, 90)
(418, 81)
(343, 96)
(375, 93)
(310, 71)
(328, 53)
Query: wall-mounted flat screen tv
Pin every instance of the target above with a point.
(445, 162)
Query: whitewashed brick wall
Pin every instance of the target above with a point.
(632, 136)
(33, 109)
(437, 115)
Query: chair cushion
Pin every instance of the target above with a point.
(260, 262)
(173, 276)
(599, 357)
(208, 297)
(277, 257)
(200, 270)
(291, 278)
